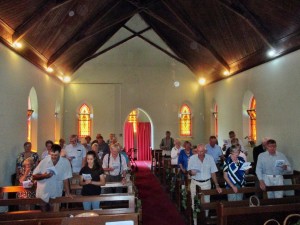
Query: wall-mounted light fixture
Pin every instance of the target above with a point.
(251, 113)
(29, 112)
(215, 114)
(56, 114)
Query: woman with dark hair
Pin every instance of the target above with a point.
(91, 179)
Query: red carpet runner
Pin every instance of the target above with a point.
(157, 207)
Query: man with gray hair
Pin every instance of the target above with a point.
(202, 168)
(271, 165)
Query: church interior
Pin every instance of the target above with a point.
(195, 68)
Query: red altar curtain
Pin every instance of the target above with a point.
(144, 141)
(129, 136)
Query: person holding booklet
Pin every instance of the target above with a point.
(271, 165)
(26, 180)
(52, 176)
(234, 170)
(91, 179)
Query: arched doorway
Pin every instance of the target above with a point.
(138, 133)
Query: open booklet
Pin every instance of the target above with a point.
(52, 169)
(279, 163)
(86, 176)
(246, 166)
(27, 184)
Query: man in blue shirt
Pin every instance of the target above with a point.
(214, 150)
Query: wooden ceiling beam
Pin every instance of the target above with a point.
(154, 45)
(81, 32)
(198, 35)
(36, 18)
(115, 45)
(243, 12)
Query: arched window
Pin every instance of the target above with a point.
(84, 121)
(215, 114)
(252, 119)
(185, 121)
(29, 114)
(132, 118)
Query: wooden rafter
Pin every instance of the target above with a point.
(153, 44)
(36, 17)
(115, 45)
(81, 32)
(197, 34)
(240, 10)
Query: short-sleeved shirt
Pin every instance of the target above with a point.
(91, 189)
(183, 158)
(115, 163)
(215, 152)
(204, 169)
(77, 152)
(52, 187)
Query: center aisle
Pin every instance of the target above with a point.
(157, 208)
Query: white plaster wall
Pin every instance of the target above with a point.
(17, 77)
(134, 75)
(275, 86)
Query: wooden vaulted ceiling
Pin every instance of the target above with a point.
(208, 36)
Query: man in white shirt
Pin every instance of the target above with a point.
(52, 175)
(76, 154)
(115, 167)
(202, 167)
(271, 165)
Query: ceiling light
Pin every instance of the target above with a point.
(271, 53)
(226, 73)
(202, 81)
(17, 44)
(176, 84)
(49, 69)
(67, 79)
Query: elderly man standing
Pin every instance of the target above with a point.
(52, 176)
(271, 165)
(202, 167)
(75, 153)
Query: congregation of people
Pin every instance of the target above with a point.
(48, 175)
(201, 163)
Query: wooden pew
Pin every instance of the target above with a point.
(212, 206)
(129, 185)
(130, 198)
(231, 215)
(65, 219)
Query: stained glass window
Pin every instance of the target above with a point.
(215, 114)
(84, 121)
(185, 121)
(252, 117)
(29, 114)
(132, 118)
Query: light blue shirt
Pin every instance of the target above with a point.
(215, 152)
(204, 169)
(270, 164)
